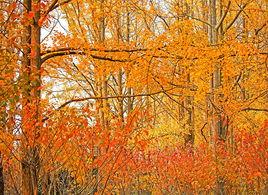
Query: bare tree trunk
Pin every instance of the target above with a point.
(213, 21)
(129, 100)
(204, 15)
(120, 74)
(211, 98)
(216, 119)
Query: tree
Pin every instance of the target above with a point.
(122, 80)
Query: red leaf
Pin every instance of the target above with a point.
(31, 15)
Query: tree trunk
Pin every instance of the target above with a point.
(129, 99)
(216, 118)
(30, 101)
(27, 187)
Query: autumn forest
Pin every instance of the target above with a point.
(133, 97)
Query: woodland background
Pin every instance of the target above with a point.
(133, 97)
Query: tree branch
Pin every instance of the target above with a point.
(202, 132)
(94, 49)
(60, 4)
(223, 16)
(50, 8)
(198, 19)
(255, 109)
(77, 52)
(106, 98)
(258, 30)
(46, 55)
(235, 18)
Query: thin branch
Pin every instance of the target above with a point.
(254, 109)
(191, 87)
(258, 30)
(163, 19)
(235, 18)
(237, 80)
(111, 97)
(257, 97)
(50, 8)
(170, 97)
(223, 16)
(202, 132)
(51, 29)
(86, 78)
(198, 19)
(60, 4)
(106, 98)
